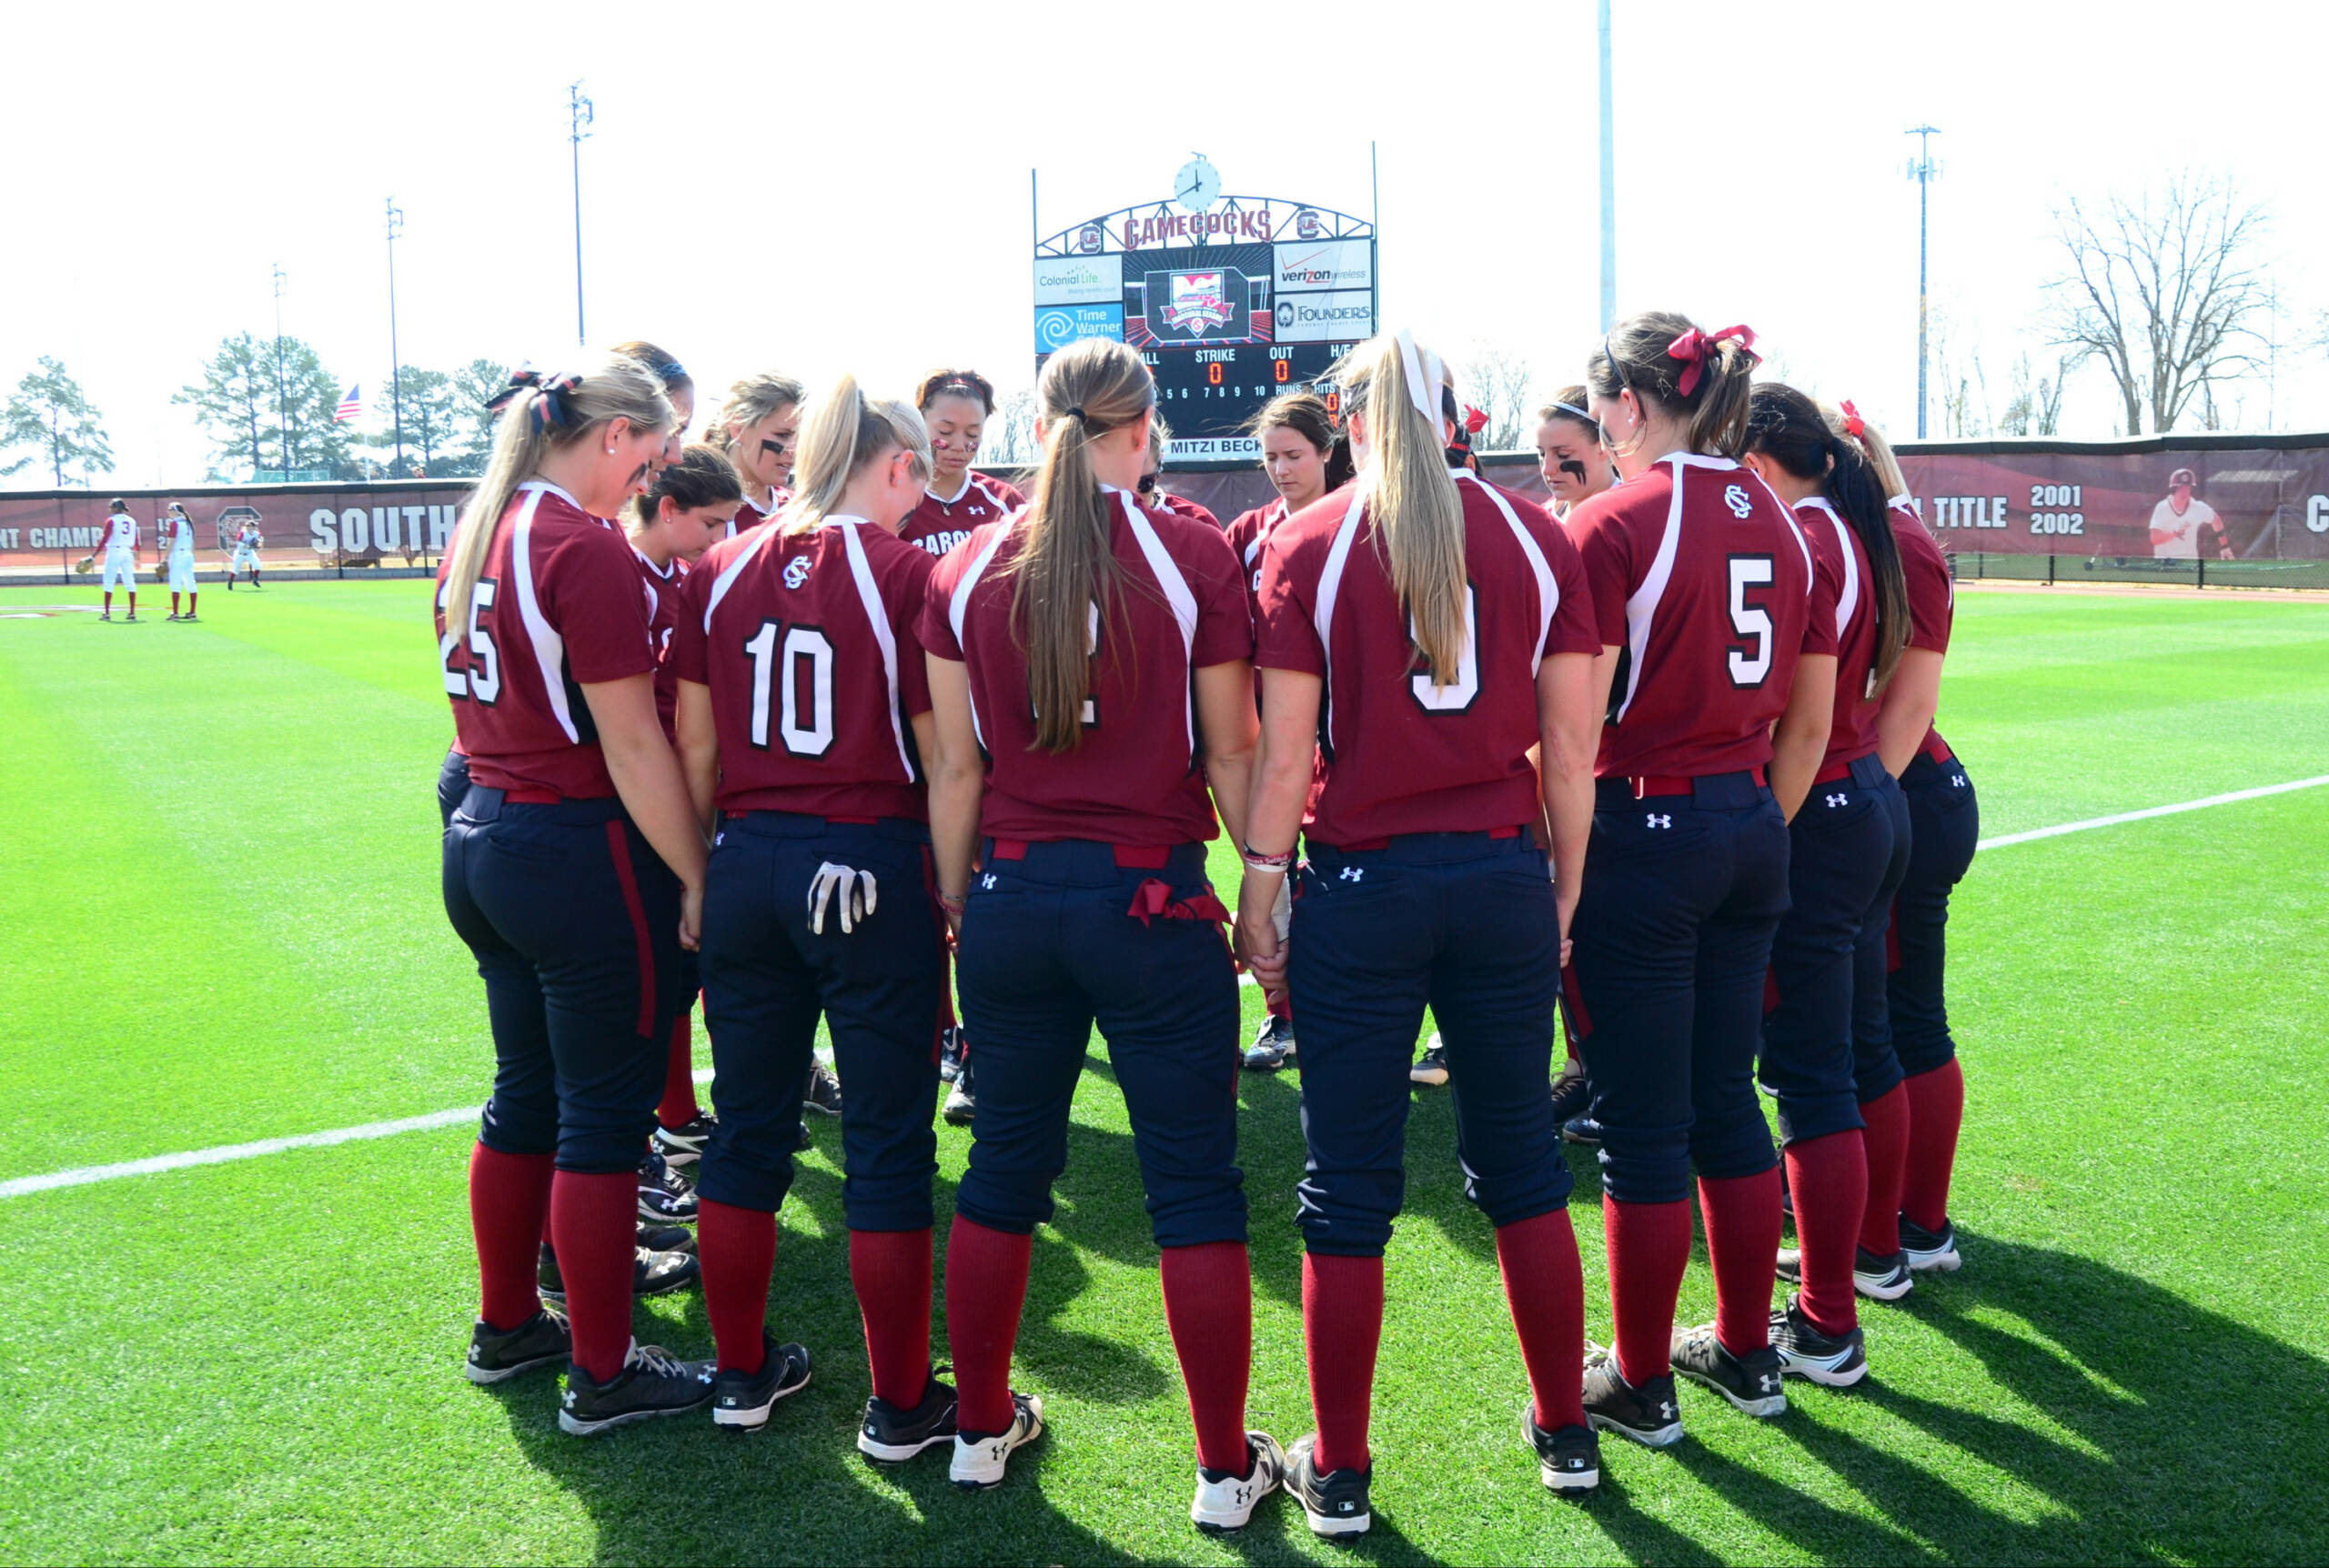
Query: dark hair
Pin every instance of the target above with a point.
(119, 505)
(957, 384)
(704, 476)
(1569, 404)
(1787, 426)
(660, 363)
(1636, 356)
(1304, 414)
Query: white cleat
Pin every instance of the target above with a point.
(979, 1461)
(1226, 1502)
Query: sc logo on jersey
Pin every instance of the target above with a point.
(1735, 498)
(796, 571)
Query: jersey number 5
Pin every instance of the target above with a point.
(1750, 665)
(482, 680)
(777, 652)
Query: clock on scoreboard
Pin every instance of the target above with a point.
(1231, 300)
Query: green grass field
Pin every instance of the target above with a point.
(218, 846)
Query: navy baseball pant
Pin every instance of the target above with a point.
(1462, 922)
(1827, 1041)
(768, 977)
(1673, 937)
(574, 918)
(1052, 943)
(1945, 822)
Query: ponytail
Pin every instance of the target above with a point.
(845, 433)
(1066, 569)
(1788, 427)
(1410, 496)
(540, 414)
(1701, 378)
(1846, 423)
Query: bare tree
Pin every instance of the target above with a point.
(1010, 433)
(2162, 289)
(1497, 383)
(2034, 408)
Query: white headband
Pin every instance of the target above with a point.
(1425, 371)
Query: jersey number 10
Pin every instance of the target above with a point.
(777, 652)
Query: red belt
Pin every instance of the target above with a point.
(1368, 845)
(1937, 748)
(1138, 857)
(531, 797)
(1835, 772)
(1645, 787)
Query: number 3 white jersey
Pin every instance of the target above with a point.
(121, 532)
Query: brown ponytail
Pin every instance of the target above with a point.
(1701, 378)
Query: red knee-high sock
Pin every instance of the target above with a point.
(509, 1200)
(173, 601)
(1887, 1160)
(1742, 1216)
(890, 1271)
(1936, 1110)
(190, 601)
(594, 1220)
(986, 1285)
(679, 1107)
(1342, 1324)
(1280, 1005)
(1544, 1285)
(1209, 1307)
(739, 1250)
(1829, 1178)
(1649, 1246)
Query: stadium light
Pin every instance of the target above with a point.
(396, 364)
(1924, 171)
(1608, 185)
(580, 114)
(282, 405)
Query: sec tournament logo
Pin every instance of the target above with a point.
(1197, 303)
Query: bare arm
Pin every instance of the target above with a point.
(1910, 699)
(1225, 719)
(646, 777)
(957, 779)
(1799, 740)
(698, 749)
(1281, 788)
(1565, 727)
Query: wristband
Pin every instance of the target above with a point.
(953, 903)
(1257, 862)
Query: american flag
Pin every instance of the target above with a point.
(350, 407)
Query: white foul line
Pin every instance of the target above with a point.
(20, 1186)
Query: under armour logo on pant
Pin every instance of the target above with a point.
(1834, 800)
(1353, 874)
(1957, 779)
(1660, 819)
(987, 881)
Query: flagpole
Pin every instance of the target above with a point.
(396, 364)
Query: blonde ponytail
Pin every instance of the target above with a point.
(843, 434)
(544, 413)
(1066, 565)
(1411, 499)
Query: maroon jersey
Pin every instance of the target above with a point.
(1402, 754)
(1932, 592)
(938, 524)
(1703, 580)
(1246, 531)
(749, 515)
(806, 643)
(1135, 780)
(1184, 506)
(558, 606)
(1842, 590)
(664, 617)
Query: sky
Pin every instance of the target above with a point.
(815, 188)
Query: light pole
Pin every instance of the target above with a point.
(580, 113)
(1924, 171)
(396, 364)
(1609, 186)
(282, 388)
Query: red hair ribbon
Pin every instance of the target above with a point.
(1153, 898)
(1475, 421)
(1699, 348)
(1854, 426)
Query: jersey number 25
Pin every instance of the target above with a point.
(482, 680)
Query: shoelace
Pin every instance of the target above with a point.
(655, 1358)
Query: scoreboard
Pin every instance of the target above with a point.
(1230, 305)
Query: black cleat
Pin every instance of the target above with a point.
(1272, 1046)
(821, 1094)
(1225, 1499)
(1583, 1130)
(1569, 1460)
(1934, 1251)
(1430, 1069)
(953, 1046)
(961, 1101)
(744, 1398)
(980, 1456)
(684, 1145)
(653, 1273)
(1878, 1279)
(1752, 1381)
(664, 1195)
(1648, 1414)
(660, 1238)
(1807, 1350)
(1333, 1503)
(1572, 1097)
(893, 1434)
(654, 1382)
(497, 1357)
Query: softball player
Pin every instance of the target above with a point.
(121, 558)
(1945, 822)
(176, 543)
(1098, 652)
(1305, 456)
(574, 872)
(757, 429)
(1444, 629)
(1701, 589)
(803, 710)
(1569, 457)
(245, 555)
(1827, 1042)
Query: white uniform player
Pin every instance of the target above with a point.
(247, 544)
(121, 558)
(177, 545)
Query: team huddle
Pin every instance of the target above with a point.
(815, 722)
